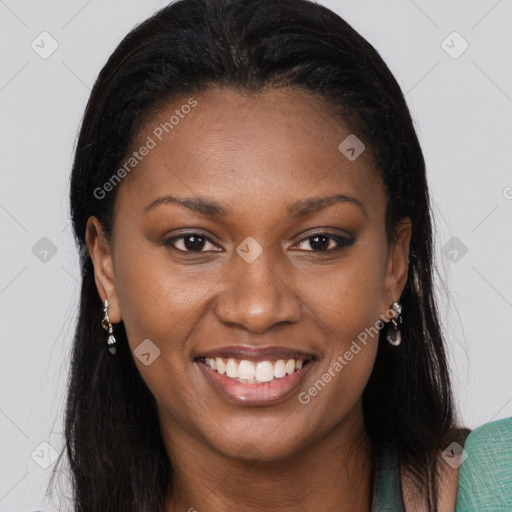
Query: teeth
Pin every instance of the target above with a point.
(264, 371)
(250, 372)
(232, 369)
(246, 370)
(279, 369)
(221, 367)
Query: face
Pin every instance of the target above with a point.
(268, 257)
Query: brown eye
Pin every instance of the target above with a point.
(324, 242)
(190, 242)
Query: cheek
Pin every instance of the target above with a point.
(158, 301)
(161, 305)
(347, 297)
(349, 316)
(345, 302)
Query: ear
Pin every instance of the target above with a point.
(397, 265)
(101, 255)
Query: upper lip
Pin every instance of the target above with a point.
(257, 353)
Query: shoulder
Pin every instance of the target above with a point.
(474, 471)
(485, 472)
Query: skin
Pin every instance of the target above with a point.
(254, 154)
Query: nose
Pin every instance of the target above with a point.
(256, 296)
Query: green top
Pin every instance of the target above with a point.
(485, 473)
(485, 476)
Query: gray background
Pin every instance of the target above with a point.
(462, 109)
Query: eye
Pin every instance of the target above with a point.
(190, 242)
(325, 242)
(320, 242)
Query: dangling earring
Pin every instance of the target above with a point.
(394, 335)
(111, 341)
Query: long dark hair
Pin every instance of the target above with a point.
(113, 441)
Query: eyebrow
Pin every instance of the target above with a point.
(299, 209)
(197, 204)
(314, 204)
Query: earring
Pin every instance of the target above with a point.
(111, 341)
(394, 335)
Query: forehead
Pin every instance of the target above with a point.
(231, 144)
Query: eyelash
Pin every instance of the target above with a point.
(342, 241)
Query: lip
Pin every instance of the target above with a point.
(257, 354)
(265, 393)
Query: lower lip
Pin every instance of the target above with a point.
(263, 393)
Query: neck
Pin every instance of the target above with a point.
(333, 474)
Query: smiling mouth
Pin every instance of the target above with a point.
(245, 371)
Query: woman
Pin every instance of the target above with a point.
(257, 328)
